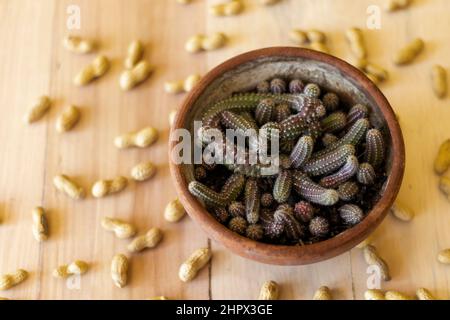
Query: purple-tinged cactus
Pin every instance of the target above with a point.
(312, 90)
(263, 87)
(348, 190)
(264, 111)
(270, 130)
(366, 174)
(292, 228)
(238, 225)
(375, 148)
(233, 186)
(351, 214)
(278, 86)
(328, 139)
(282, 187)
(236, 122)
(281, 112)
(330, 101)
(328, 162)
(302, 151)
(347, 171)
(296, 86)
(221, 215)
(292, 127)
(358, 111)
(319, 227)
(304, 211)
(273, 230)
(204, 193)
(255, 232)
(252, 200)
(335, 122)
(237, 209)
(313, 192)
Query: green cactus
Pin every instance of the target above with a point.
(252, 200)
(330, 101)
(233, 187)
(351, 214)
(302, 151)
(335, 122)
(282, 187)
(366, 174)
(238, 225)
(313, 192)
(281, 112)
(264, 111)
(328, 162)
(204, 193)
(347, 171)
(237, 122)
(353, 136)
(328, 139)
(348, 190)
(312, 90)
(255, 232)
(375, 148)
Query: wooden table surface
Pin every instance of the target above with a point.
(33, 63)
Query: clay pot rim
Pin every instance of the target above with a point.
(282, 254)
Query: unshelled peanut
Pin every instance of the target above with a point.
(402, 213)
(323, 293)
(394, 5)
(444, 256)
(299, 37)
(439, 81)
(185, 85)
(202, 42)
(119, 270)
(140, 139)
(77, 267)
(68, 119)
(135, 76)
(269, 291)
(121, 229)
(424, 294)
(143, 171)
(38, 110)
(229, 8)
(442, 161)
(356, 41)
(196, 261)
(103, 188)
(146, 241)
(174, 211)
(374, 294)
(396, 295)
(8, 281)
(40, 224)
(69, 187)
(93, 71)
(372, 258)
(408, 53)
(134, 54)
(79, 45)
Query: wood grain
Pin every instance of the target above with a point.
(34, 63)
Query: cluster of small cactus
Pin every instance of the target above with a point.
(331, 165)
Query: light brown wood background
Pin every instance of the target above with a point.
(33, 63)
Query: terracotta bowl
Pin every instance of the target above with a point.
(242, 73)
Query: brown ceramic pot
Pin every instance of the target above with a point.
(242, 73)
